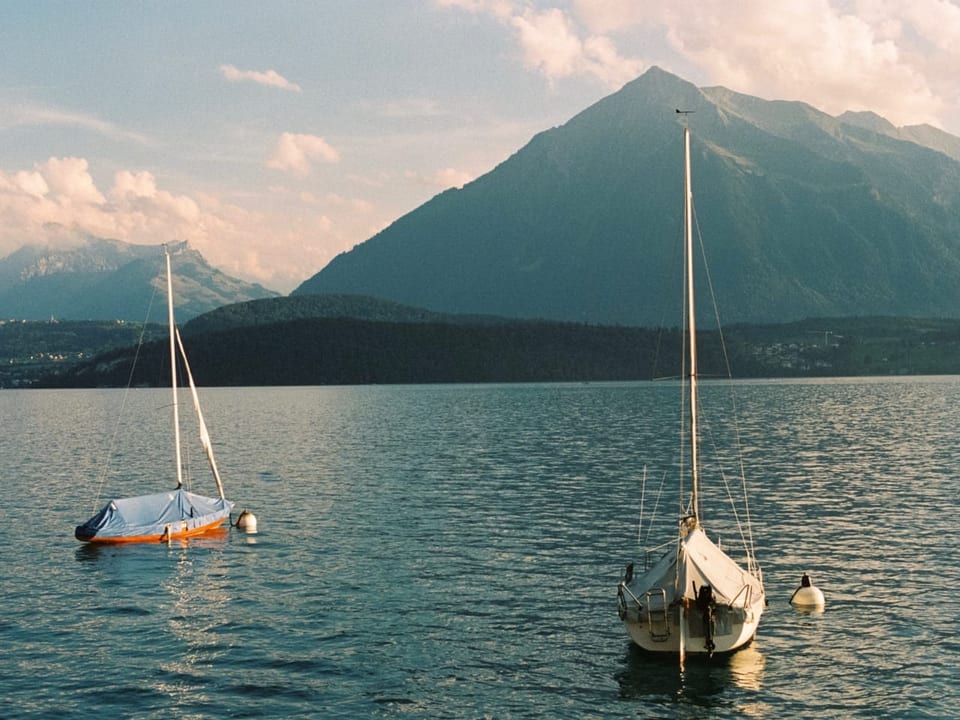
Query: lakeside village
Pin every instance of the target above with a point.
(798, 356)
(30, 349)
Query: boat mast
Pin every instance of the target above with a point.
(691, 325)
(173, 369)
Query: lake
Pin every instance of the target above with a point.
(454, 551)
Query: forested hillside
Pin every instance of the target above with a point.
(353, 351)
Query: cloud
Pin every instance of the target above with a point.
(335, 200)
(441, 179)
(31, 183)
(69, 179)
(553, 43)
(451, 177)
(270, 78)
(27, 115)
(295, 153)
(59, 192)
(896, 57)
(136, 195)
(62, 193)
(549, 42)
(278, 245)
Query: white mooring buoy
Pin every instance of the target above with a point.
(247, 522)
(808, 596)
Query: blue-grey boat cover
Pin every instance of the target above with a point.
(150, 514)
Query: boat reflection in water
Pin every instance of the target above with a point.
(654, 678)
(746, 668)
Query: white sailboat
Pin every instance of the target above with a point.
(176, 513)
(695, 598)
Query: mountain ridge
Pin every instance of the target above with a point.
(91, 278)
(816, 216)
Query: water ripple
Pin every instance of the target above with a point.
(453, 552)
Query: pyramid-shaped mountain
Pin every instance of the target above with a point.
(92, 278)
(801, 213)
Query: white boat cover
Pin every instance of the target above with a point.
(701, 563)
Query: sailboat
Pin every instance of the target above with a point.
(694, 599)
(176, 513)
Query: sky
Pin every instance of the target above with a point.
(274, 135)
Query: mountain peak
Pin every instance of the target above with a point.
(658, 87)
(809, 216)
(86, 277)
(868, 120)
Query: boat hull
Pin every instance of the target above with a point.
(155, 518)
(695, 599)
(184, 531)
(655, 640)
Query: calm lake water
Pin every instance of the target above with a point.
(454, 551)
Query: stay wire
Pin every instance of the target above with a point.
(105, 469)
(745, 537)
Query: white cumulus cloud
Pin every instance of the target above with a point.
(899, 58)
(59, 192)
(69, 179)
(270, 78)
(553, 42)
(277, 244)
(451, 177)
(896, 57)
(296, 153)
(136, 195)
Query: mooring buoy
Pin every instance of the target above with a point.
(247, 522)
(808, 595)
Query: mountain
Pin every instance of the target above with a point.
(803, 215)
(925, 135)
(98, 279)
